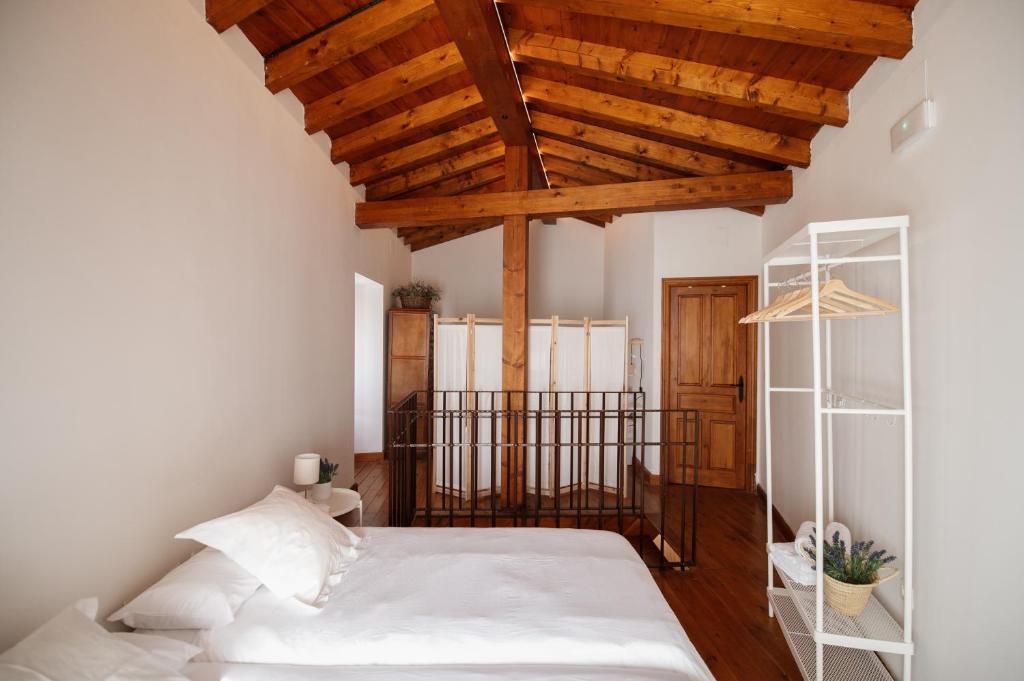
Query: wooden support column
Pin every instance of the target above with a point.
(515, 326)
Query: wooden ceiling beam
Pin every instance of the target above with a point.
(687, 78)
(464, 182)
(475, 27)
(386, 86)
(449, 167)
(421, 153)
(584, 173)
(605, 162)
(662, 120)
(847, 25)
(748, 189)
(450, 234)
(403, 125)
(637, 148)
(632, 171)
(223, 14)
(340, 41)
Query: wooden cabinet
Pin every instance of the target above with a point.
(410, 369)
(409, 353)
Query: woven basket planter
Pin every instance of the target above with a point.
(851, 599)
(417, 303)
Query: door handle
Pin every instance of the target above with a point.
(741, 389)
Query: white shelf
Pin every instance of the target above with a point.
(840, 664)
(873, 629)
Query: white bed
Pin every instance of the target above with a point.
(443, 598)
(219, 671)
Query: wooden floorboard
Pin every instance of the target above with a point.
(720, 603)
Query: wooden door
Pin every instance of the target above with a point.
(706, 357)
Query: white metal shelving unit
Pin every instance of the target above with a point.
(827, 645)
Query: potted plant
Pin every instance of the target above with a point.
(322, 490)
(417, 295)
(850, 576)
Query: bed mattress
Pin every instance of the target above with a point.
(439, 596)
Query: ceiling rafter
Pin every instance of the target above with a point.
(384, 87)
(662, 120)
(223, 14)
(677, 76)
(464, 182)
(402, 126)
(449, 167)
(845, 25)
(637, 148)
(426, 151)
(341, 40)
(748, 189)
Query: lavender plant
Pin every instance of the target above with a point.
(327, 470)
(859, 565)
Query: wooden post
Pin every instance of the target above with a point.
(515, 326)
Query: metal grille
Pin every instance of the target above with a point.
(554, 459)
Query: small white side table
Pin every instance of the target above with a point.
(344, 501)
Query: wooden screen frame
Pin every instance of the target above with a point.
(751, 282)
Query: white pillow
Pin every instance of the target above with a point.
(72, 647)
(202, 593)
(172, 653)
(294, 548)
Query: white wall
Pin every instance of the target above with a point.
(960, 186)
(176, 290)
(641, 250)
(566, 273)
(369, 366)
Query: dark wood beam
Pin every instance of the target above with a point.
(680, 77)
(475, 27)
(223, 14)
(747, 189)
(401, 126)
(637, 148)
(584, 173)
(345, 39)
(847, 25)
(449, 167)
(386, 86)
(663, 120)
(421, 153)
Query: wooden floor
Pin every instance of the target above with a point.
(720, 603)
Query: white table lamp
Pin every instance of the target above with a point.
(307, 469)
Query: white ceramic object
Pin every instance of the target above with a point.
(320, 491)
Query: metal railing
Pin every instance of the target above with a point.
(561, 459)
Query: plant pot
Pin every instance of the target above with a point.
(851, 599)
(321, 491)
(415, 302)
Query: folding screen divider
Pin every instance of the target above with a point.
(574, 365)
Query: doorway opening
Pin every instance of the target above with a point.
(369, 367)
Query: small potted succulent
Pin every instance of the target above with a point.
(417, 295)
(322, 490)
(850, 576)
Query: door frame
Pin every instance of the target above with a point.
(750, 413)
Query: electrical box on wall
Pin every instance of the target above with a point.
(913, 124)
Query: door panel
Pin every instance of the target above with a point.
(706, 355)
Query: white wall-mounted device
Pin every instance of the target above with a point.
(912, 124)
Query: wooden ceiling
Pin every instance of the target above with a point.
(421, 97)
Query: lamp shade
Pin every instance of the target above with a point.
(307, 469)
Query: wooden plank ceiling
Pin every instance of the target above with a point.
(421, 97)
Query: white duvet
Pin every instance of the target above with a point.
(439, 596)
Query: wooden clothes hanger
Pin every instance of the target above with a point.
(835, 300)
